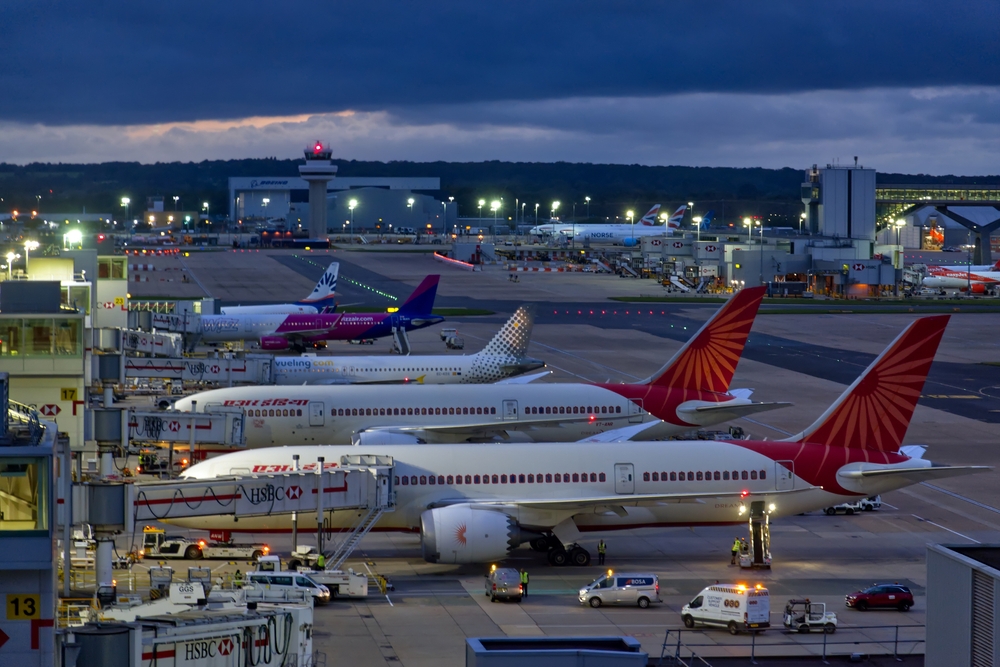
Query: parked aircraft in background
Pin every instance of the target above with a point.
(691, 391)
(505, 356)
(978, 278)
(472, 505)
(277, 331)
(321, 299)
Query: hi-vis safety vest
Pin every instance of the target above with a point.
(524, 577)
(601, 548)
(736, 545)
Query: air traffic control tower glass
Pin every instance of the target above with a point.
(24, 494)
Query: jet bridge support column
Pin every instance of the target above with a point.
(319, 505)
(295, 515)
(111, 437)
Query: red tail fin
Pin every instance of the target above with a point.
(707, 361)
(875, 411)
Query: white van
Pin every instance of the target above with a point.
(622, 588)
(279, 582)
(733, 606)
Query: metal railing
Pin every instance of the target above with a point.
(675, 651)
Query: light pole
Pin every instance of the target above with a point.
(555, 207)
(802, 218)
(523, 204)
(536, 214)
(125, 203)
(748, 223)
(587, 199)
(28, 247)
(176, 199)
(631, 218)
(761, 223)
(691, 210)
(482, 203)
(208, 213)
(353, 204)
(11, 256)
(968, 266)
(265, 201)
(697, 225)
(495, 206)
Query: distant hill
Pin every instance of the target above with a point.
(612, 188)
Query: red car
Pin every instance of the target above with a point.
(885, 596)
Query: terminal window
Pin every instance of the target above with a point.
(23, 494)
(41, 337)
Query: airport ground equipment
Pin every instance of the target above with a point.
(758, 554)
(805, 615)
(342, 584)
(157, 544)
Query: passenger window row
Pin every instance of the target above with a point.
(394, 412)
(274, 413)
(574, 410)
(707, 476)
(546, 478)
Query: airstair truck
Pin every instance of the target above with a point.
(341, 584)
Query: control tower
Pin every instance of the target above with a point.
(317, 171)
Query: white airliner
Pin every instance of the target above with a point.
(691, 391)
(475, 503)
(505, 356)
(628, 235)
(977, 277)
(322, 297)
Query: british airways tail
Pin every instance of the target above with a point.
(421, 302)
(325, 291)
(650, 218)
(674, 222)
(708, 360)
(874, 412)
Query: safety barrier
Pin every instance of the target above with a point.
(73, 612)
(873, 639)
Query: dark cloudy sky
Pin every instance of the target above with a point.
(909, 85)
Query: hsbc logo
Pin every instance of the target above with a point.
(710, 248)
(208, 648)
(678, 244)
(293, 492)
(859, 267)
(655, 242)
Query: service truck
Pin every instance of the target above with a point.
(342, 584)
(157, 544)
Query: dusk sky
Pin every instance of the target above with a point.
(908, 85)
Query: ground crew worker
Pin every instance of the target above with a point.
(602, 549)
(320, 562)
(238, 578)
(524, 582)
(736, 550)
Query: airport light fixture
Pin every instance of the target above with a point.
(631, 218)
(495, 206)
(697, 225)
(691, 210)
(536, 213)
(176, 199)
(482, 203)
(587, 199)
(11, 256)
(28, 247)
(73, 237)
(555, 207)
(802, 218)
(748, 223)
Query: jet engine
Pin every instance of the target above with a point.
(379, 438)
(273, 343)
(630, 242)
(464, 534)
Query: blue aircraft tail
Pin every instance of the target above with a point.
(707, 219)
(421, 302)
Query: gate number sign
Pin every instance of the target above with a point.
(23, 607)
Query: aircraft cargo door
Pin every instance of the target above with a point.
(624, 478)
(317, 412)
(784, 475)
(509, 410)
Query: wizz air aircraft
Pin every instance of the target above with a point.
(691, 391)
(321, 299)
(977, 277)
(473, 505)
(277, 331)
(505, 356)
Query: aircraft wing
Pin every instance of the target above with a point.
(484, 428)
(620, 434)
(916, 474)
(730, 412)
(600, 504)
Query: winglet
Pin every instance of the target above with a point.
(421, 302)
(708, 361)
(875, 411)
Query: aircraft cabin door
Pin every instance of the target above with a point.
(624, 478)
(784, 475)
(635, 411)
(509, 410)
(317, 413)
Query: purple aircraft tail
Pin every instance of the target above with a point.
(421, 302)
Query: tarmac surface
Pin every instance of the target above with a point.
(807, 358)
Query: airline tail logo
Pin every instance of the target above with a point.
(706, 219)
(708, 361)
(512, 340)
(421, 302)
(326, 288)
(675, 220)
(650, 218)
(874, 413)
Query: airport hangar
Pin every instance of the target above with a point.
(380, 202)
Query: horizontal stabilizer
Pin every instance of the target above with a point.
(725, 412)
(523, 379)
(620, 434)
(915, 475)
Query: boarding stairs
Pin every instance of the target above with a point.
(676, 282)
(703, 285)
(629, 270)
(343, 550)
(602, 264)
(400, 341)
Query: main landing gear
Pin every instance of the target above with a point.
(560, 555)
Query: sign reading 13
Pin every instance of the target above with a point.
(23, 607)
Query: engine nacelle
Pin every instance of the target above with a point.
(630, 242)
(273, 343)
(463, 534)
(379, 438)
